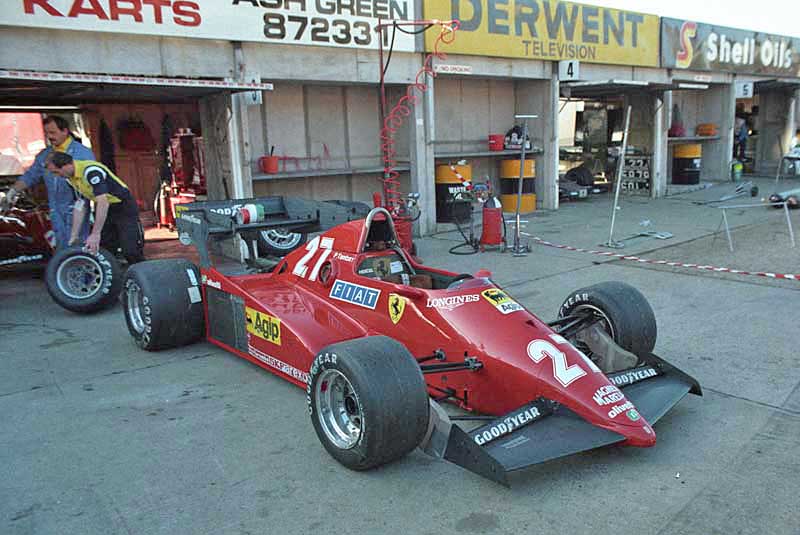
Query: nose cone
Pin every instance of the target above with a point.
(641, 436)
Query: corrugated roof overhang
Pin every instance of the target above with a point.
(608, 88)
(40, 88)
(776, 85)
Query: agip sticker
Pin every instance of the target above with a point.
(263, 325)
(501, 301)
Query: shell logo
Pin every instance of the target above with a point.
(686, 54)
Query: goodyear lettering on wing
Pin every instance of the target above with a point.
(633, 376)
(356, 294)
(500, 428)
(501, 301)
(263, 325)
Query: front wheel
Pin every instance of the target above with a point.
(368, 401)
(81, 281)
(622, 310)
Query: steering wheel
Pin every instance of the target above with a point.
(459, 279)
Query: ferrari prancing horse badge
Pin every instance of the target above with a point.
(397, 306)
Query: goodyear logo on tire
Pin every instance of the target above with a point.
(263, 325)
(501, 301)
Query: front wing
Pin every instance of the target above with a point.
(543, 430)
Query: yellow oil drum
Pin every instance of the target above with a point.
(509, 184)
(448, 185)
(446, 174)
(510, 168)
(526, 206)
(686, 163)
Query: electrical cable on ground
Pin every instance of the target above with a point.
(468, 242)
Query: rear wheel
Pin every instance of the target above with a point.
(622, 310)
(83, 282)
(368, 401)
(162, 303)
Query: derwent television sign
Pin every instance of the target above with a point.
(690, 45)
(548, 30)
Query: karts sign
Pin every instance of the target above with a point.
(703, 47)
(336, 23)
(548, 30)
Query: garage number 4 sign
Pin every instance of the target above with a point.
(569, 70)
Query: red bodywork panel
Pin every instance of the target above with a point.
(316, 296)
(25, 235)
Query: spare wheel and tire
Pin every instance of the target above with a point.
(368, 401)
(81, 281)
(279, 241)
(162, 303)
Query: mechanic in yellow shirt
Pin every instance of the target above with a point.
(116, 216)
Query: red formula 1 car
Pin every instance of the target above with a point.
(379, 342)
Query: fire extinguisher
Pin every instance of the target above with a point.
(493, 233)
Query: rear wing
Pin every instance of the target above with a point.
(198, 221)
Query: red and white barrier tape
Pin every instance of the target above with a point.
(464, 182)
(701, 267)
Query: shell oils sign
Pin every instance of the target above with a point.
(687, 44)
(548, 30)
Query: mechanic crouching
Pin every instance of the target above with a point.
(116, 216)
(60, 196)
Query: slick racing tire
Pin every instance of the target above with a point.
(624, 312)
(368, 401)
(279, 241)
(81, 281)
(162, 303)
